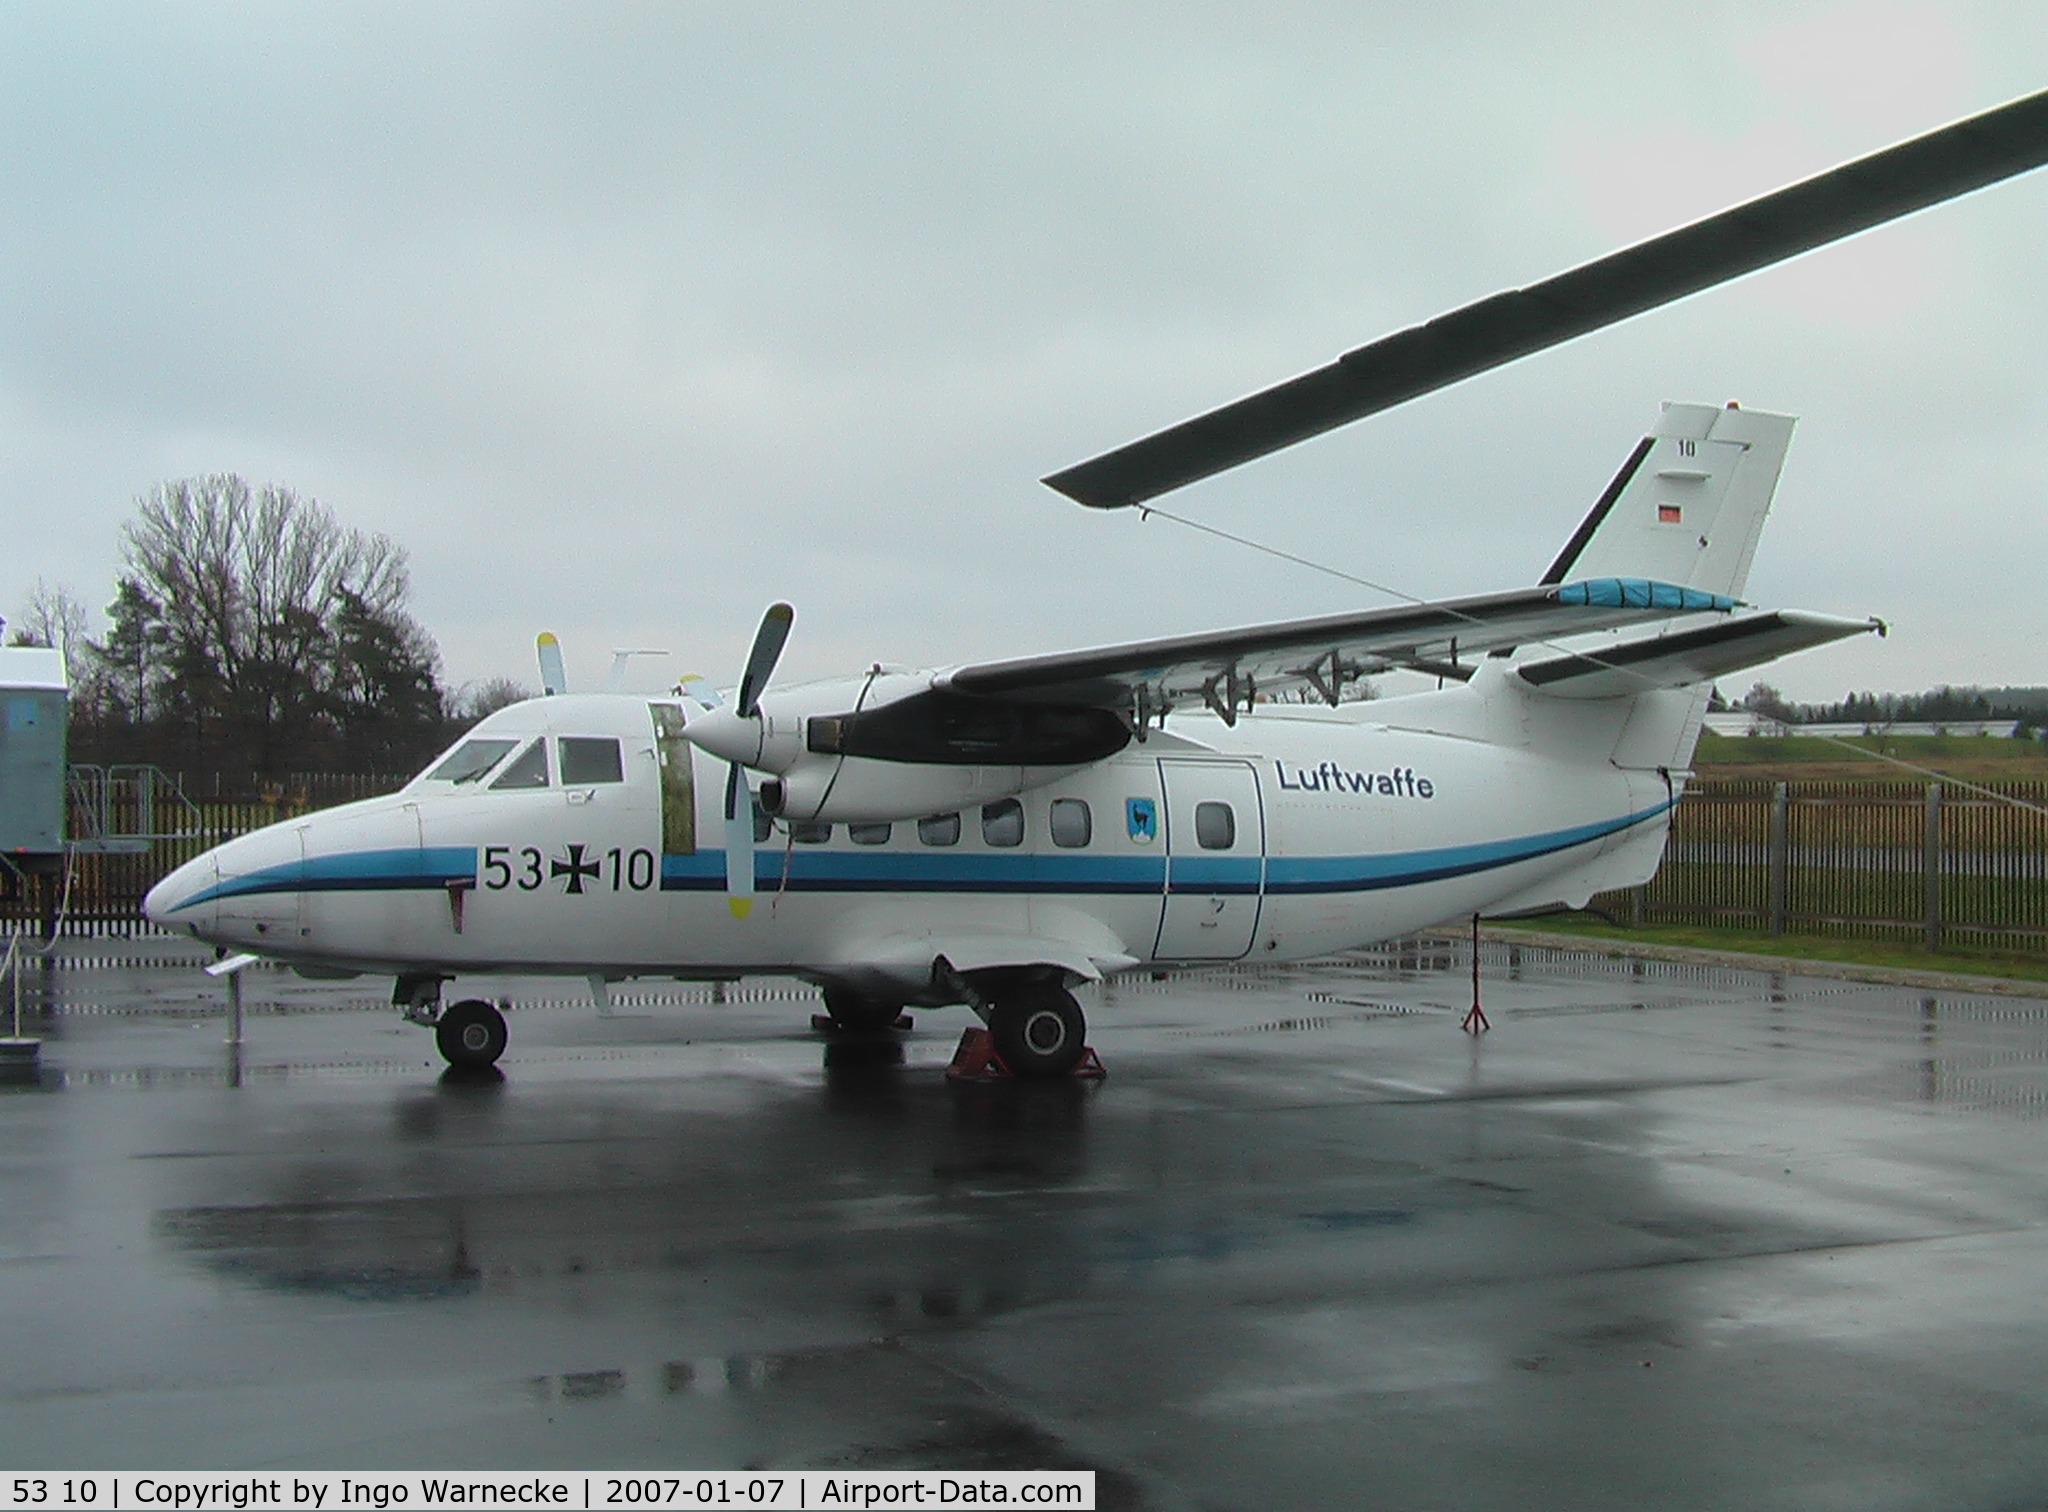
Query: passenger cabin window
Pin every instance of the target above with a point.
(1002, 824)
(809, 832)
(529, 769)
(939, 829)
(1072, 825)
(471, 760)
(587, 760)
(868, 834)
(1215, 826)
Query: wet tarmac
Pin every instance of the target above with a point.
(1669, 1236)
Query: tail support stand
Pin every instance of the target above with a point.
(1475, 1021)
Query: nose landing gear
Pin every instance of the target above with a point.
(470, 1034)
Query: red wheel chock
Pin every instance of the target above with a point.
(976, 1060)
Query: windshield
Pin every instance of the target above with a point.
(529, 771)
(471, 760)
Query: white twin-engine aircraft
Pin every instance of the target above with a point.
(996, 835)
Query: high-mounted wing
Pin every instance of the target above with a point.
(1911, 176)
(1227, 670)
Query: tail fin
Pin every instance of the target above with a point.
(1688, 505)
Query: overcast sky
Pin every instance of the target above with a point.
(625, 320)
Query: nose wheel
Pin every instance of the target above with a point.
(470, 1034)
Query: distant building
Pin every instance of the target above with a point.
(1743, 722)
(34, 699)
(34, 705)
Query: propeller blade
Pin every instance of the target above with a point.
(739, 842)
(1422, 359)
(550, 652)
(768, 643)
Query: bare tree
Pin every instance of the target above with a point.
(476, 700)
(266, 632)
(52, 615)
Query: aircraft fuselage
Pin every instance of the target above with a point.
(1293, 833)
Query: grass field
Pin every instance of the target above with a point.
(1804, 758)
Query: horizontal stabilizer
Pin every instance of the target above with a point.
(1689, 656)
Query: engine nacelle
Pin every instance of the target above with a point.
(862, 790)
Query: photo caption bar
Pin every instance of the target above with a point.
(325, 1490)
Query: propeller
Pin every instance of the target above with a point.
(739, 842)
(549, 650)
(739, 734)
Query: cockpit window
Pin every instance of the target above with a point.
(586, 760)
(471, 760)
(528, 770)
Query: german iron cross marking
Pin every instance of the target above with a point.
(575, 869)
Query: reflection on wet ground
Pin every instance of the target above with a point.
(1670, 1236)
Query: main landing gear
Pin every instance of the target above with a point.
(1037, 1027)
(858, 1014)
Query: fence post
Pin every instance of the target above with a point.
(1930, 868)
(1780, 857)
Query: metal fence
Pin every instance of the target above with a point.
(1915, 863)
(136, 838)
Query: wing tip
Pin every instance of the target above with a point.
(1073, 484)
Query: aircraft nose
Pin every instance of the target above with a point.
(175, 891)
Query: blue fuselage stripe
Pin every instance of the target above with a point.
(847, 871)
(352, 871)
(1327, 874)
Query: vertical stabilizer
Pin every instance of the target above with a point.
(1688, 505)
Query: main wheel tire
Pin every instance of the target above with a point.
(860, 1015)
(471, 1034)
(1038, 1028)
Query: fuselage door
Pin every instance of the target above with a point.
(1216, 860)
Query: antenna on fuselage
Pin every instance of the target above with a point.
(616, 682)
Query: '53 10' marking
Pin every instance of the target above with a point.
(529, 867)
